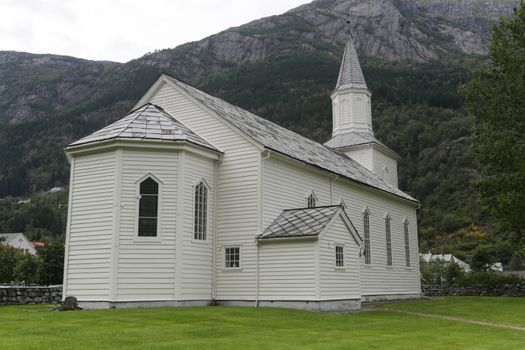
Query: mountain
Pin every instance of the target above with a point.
(414, 54)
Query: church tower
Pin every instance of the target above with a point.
(352, 132)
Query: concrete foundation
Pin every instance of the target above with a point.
(390, 297)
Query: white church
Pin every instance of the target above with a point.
(189, 200)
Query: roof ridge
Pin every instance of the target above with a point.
(133, 119)
(358, 174)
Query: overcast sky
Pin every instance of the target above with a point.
(120, 30)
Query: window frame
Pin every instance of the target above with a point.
(206, 215)
(158, 237)
(366, 237)
(311, 195)
(406, 234)
(239, 267)
(388, 239)
(339, 256)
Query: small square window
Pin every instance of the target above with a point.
(232, 257)
(339, 256)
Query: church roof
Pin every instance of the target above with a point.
(289, 143)
(300, 222)
(148, 122)
(350, 73)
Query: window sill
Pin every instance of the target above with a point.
(390, 267)
(340, 268)
(147, 240)
(201, 241)
(232, 269)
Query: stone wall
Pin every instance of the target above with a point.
(30, 295)
(511, 290)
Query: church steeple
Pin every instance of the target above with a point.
(351, 98)
(352, 131)
(350, 73)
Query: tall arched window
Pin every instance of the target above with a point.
(311, 201)
(200, 211)
(148, 208)
(407, 243)
(388, 241)
(366, 230)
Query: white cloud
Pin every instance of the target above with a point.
(120, 30)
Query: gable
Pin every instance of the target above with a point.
(341, 219)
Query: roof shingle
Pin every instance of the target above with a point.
(146, 122)
(300, 222)
(289, 143)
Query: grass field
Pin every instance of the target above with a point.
(35, 327)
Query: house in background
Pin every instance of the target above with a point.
(19, 241)
(447, 258)
(190, 200)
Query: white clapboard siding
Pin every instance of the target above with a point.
(287, 186)
(284, 186)
(337, 282)
(287, 270)
(89, 248)
(362, 155)
(377, 278)
(237, 189)
(154, 257)
(197, 270)
(381, 160)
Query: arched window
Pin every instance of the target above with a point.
(148, 208)
(407, 243)
(366, 230)
(311, 201)
(388, 241)
(200, 211)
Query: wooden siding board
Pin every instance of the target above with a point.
(237, 175)
(90, 226)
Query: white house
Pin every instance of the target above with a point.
(190, 200)
(19, 241)
(447, 258)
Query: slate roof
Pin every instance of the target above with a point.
(300, 222)
(147, 122)
(284, 141)
(350, 73)
(353, 139)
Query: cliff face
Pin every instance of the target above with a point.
(49, 100)
(32, 86)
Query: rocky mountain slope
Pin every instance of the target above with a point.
(414, 54)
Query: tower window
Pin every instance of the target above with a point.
(148, 208)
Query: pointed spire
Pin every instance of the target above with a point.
(350, 74)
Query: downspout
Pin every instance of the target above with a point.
(331, 189)
(215, 210)
(265, 156)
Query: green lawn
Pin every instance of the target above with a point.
(34, 327)
(501, 310)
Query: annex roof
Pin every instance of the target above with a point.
(350, 73)
(300, 222)
(289, 143)
(148, 122)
